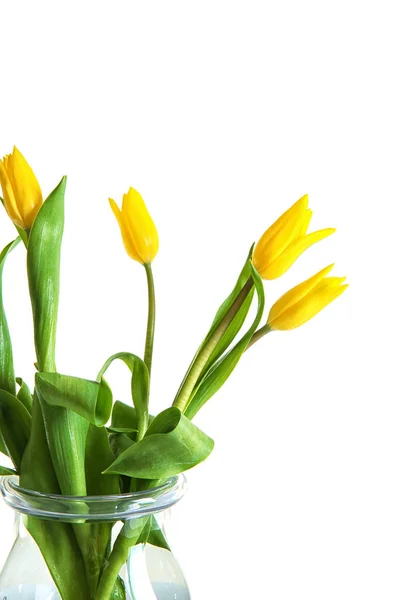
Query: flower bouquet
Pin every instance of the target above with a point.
(90, 477)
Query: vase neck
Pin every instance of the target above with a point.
(92, 508)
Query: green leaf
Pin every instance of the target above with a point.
(119, 442)
(236, 324)
(3, 449)
(56, 540)
(226, 325)
(24, 394)
(15, 426)
(220, 372)
(91, 400)
(7, 377)
(61, 552)
(172, 445)
(156, 536)
(98, 456)
(126, 430)
(37, 472)
(119, 591)
(124, 416)
(231, 332)
(66, 433)
(44, 249)
(95, 537)
(140, 384)
(5, 471)
(241, 282)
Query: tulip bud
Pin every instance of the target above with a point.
(21, 190)
(138, 231)
(304, 301)
(285, 240)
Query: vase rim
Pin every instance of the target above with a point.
(92, 508)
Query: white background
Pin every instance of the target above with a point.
(223, 114)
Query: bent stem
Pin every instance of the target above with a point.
(258, 335)
(196, 369)
(151, 319)
(130, 535)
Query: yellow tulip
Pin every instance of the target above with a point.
(285, 240)
(21, 191)
(138, 231)
(304, 301)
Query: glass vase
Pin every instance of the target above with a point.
(92, 548)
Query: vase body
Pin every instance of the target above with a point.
(123, 538)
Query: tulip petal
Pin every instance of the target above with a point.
(306, 222)
(281, 234)
(283, 262)
(129, 245)
(26, 187)
(298, 314)
(296, 294)
(10, 202)
(140, 225)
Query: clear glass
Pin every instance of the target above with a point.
(127, 531)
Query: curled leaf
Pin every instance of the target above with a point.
(89, 399)
(140, 384)
(172, 444)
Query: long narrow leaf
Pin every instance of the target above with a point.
(66, 433)
(232, 329)
(217, 376)
(61, 552)
(44, 250)
(242, 279)
(15, 426)
(7, 377)
(6, 471)
(97, 536)
(231, 332)
(3, 448)
(56, 540)
(98, 455)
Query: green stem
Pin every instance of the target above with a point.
(198, 364)
(115, 562)
(151, 319)
(131, 534)
(259, 334)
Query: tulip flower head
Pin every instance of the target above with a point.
(285, 240)
(138, 231)
(304, 301)
(21, 191)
